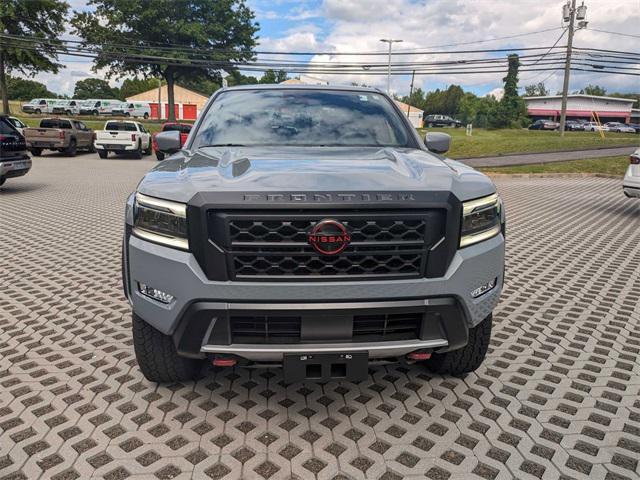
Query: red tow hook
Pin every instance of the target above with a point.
(224, 362)
(419, 356)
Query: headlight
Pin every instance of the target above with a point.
(480, 220)
(161, 221)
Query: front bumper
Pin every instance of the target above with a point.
(201, 306)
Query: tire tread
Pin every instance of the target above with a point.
(468, 358)
(157, 355)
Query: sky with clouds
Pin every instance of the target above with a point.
(358, 25)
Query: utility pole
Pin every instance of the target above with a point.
(569, 12)
(159, 99)
(390, 41)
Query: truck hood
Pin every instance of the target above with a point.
(310, 169)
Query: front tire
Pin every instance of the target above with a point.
(468, 358)
(159, 156)
(157, 355)
(2, 180)
(145, 116)
(103, 153)
(36, 152)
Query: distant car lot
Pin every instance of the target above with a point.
(556, 396)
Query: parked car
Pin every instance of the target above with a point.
(631, 182)
(65, 107)
(61, 134)
(136, 109)
(441, 121)
(183, 128)
(595, 127)
(544, 125)
(38, 105)
(619, 127)
(573, 125)
(14, 161)
(267, 240)
(635, 126)
(124, 136)
(98, 107)
(17, 124)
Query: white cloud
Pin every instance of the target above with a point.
(357, 25)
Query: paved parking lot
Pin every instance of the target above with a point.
(556, 398)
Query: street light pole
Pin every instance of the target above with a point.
(390, 41)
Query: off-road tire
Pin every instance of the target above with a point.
(157, 355)
(36, 152)
(159, 156)
(103, 153)
(468, 358)
(72, 149)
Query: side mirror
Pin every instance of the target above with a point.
(168, 142)
(437, 142)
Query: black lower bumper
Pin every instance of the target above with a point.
(206, 325)
(16, 173)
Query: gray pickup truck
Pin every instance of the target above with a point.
(310, 227)
(61, 134)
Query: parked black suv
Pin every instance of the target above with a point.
(14, 160)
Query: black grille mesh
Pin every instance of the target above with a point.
(273, 245)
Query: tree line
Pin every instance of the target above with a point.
(25, 89)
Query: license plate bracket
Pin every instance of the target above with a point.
(323, 367)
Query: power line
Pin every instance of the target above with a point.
(614, 33)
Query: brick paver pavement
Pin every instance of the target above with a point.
(556, 398)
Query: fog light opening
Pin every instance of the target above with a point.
(224, 362)
(419, 356)
(154, 293)
(482, 289)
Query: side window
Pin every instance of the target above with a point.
(97, 104)
(43, 102)
(142, 129)
(82, 126)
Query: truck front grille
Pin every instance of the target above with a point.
(273, 246)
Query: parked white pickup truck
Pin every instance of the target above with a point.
(123, 136)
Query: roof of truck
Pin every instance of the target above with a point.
(280, 86)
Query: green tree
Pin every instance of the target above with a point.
(536, 90)
(236, 78)
(133, 86)
(201, 85)
(186, 37)
(271, 76)
(511, 110)
(42, 19)
(22, 89)
(94, 88)
(594, 90)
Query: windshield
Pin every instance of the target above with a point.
(173, 127)
(55, 123)
(120, 126)
(302, 118)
